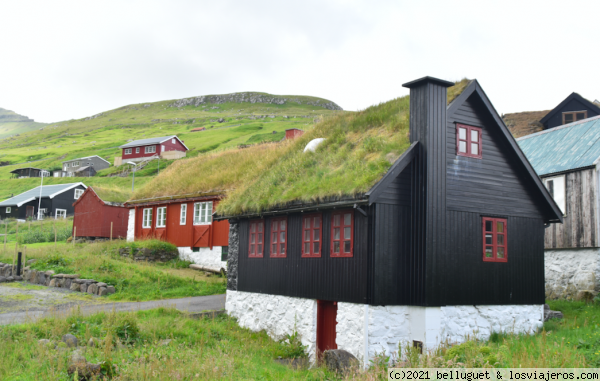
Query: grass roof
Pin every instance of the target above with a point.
(112, 193)
(524, 123)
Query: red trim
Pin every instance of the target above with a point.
(499, 239)
(341, 241)
(278, 235)
(256, 230)
(309, 230)
(468, 141)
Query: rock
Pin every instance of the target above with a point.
(18, 278)
(586, 295)
(75, 287)
(83, 287)
(30, 261)
(67, 283)
(47, 281)
(10, 279)
(164, 343)
(85, 370)
(33, 276)
(70, 340)
(552, 315)
(102, 291)
(41, 278)
(92, 289)
(110, 290)
(2, 279)
(339, 360)
(101, 284)
(67, 276)
(92, 342)
(220, 120)
(53, 283)
(49, 273)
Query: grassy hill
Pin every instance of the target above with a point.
(12, 123)
(524, 123)
(230, 120)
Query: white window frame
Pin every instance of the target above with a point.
(150, 149)
(62, 212)
(78, 193)
(203, 213)
(173, 141)
(42, 213)
(559, 183)
(183, 214)
(147, 218)
(137, 150)
(8, 210)
(127, 151)
(75, 164)
(161, 217)
(66, 166)
(162, 148)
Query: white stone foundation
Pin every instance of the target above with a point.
(366, 331)
(131, 226)
(204, 257)
(570, 271)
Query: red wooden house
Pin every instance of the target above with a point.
(139, 150)
(93, 217)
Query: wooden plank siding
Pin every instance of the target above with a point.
(580, 225)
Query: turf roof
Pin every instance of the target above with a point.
(112, 194)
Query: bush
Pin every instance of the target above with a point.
(43, 235)
(291, 347)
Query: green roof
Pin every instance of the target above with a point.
(112, 194)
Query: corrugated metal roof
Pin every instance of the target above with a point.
(32, 194)
(145, 142)
(564, 148)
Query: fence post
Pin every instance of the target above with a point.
(111, 225)
(19, 267)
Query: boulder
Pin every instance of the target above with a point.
(10, 279)
(2, 279)
(70, 340)
(92, 289)
(75, 287)
(92, 342)
(67, 283)
(49, 273)
(18, 278)
(53, 283)
(101, 284)
(110, 290)
(549, 314)
(83, 287)
(102, 291)
(339, 360)
(41, 278)
(85, 370)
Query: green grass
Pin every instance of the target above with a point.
(35, 232)
(134, 281)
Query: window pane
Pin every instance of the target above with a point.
(462, 146)
(474, 149)
(282, 225)
(500, 252)
(336, 233)
(462, 133)
(252, 238)
(251, 249)
(316, 235)
(259, 249)
(346, 246)
(307, 223)
(488, 252)
(500, 227)
(317, 222)
(580, 115)
(474, 135)
(282, 248)
(307, 248)
(336, 220)
(488, 226)
(282, 237)
(336, 247)
(488, 239)
(274, 226)
(550, 186)
(500, 239)
(260, 237)
(274, 249)
(347, 218)
(346, 233)
(316, 247)
(274, 239)
(568, 118)
(252, 228)
(307, 235)
(260, 227)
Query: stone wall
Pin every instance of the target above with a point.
(277, 315)
(571, 273)
(141, 254)
(232, 257)
(205, 257)
(68, 281)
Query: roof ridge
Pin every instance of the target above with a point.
(558, 128)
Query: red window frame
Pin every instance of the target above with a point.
(256, 238)
(312, 234)
(497, 250)
(341, 241)
(278, 234)
(468, 141)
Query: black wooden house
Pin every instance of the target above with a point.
(56, 202)
(458, 220)
(571, 109)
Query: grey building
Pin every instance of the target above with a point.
(82, 167)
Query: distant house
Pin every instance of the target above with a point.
(98, 217)
(567, 158)
(22, 173)
(167, 147)
(443, 244)
(82, 167)
(572, 109)
(292, 133)
(57, 202)
(198, 129)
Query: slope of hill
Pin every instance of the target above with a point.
(12, 123)
(524, 123)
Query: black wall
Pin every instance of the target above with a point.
(325, 278)
(64, 200)
(572, 105)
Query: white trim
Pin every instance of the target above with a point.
(144, 226)
(26, 201)
(8, 210)
(66, 189)
(147, 150)
(175, 136)
(563, 205)
(206, 216)
(80, 194)
(164, 216)
(183, 214)
(137, 149)
(56, 213)
(127, 151)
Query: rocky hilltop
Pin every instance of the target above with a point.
(7, 116)
(251, 97)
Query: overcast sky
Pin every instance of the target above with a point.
(70, 59)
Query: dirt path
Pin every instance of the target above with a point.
(20, 303)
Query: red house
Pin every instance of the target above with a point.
(164, 146)
(187, 223)
(93, 216)
(292, 133)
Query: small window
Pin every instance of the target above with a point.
(8, 210)
(342, 234)
(172, 141)
(183, 214)
(76, 164)
(311, 236)
(468, 141)
(137, 150)
(78, 193)
(278, 237)
(66, 166)
(127, 151)
(147, 218)
(203, 213)
(60, 213)
(195, 249)
(224, 253)
(556, 188)
(161, 217)
(256, 239)
(574, 116)
(495, 240)
(150, 149)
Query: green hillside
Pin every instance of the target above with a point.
(229, 120)
(12, 123)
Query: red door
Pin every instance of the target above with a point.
(326, 325)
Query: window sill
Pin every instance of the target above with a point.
(342, 256)
(202, 223)
(495, 260)
(254, 256)
(310, 256)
